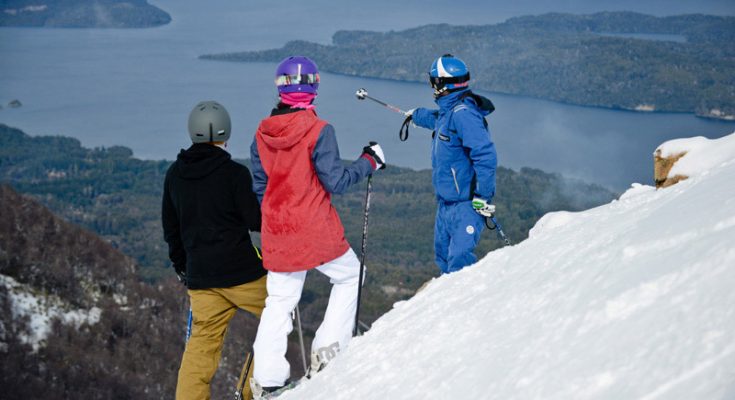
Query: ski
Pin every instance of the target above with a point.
(275, 394)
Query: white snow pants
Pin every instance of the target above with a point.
(284, 291)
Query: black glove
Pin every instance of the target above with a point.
(180, 273)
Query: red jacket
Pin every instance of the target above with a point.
(301, 229)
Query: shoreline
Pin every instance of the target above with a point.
(725, 118)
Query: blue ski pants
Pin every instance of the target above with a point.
(457, 231)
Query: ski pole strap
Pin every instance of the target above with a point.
(487, 224)
(403, 133)
(499, 229)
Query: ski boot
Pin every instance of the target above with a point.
(265, 393)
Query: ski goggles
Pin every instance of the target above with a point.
(303, 79)
(439, 82)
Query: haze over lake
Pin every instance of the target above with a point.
(135, 87)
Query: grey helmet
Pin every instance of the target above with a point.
(209, 122)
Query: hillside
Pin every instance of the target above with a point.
(117, 196)
(629, 300)
(619, 60)
(77, 322)
(82, 14)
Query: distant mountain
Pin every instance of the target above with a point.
(82, 14)
(621, 60)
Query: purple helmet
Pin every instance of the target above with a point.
(297, 74)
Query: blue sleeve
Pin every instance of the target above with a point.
(332, 173)
(425, 118)
(476, 139)
(260, 179)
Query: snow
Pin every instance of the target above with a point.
(42, 309)
(630, 300)
(702, 154)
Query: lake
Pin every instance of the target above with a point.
(135, 87)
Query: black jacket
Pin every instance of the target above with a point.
(208, 210)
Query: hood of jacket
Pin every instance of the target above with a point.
(281, 131)
(483, 105)
(200, 160)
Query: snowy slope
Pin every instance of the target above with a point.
(631, 300)
(701, 154)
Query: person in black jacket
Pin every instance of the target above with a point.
(208, 211)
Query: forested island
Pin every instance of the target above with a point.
(118, 196)
(620, 60)
(82, 14)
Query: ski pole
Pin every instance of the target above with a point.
(243, 375)
(362, 94)
(496, 226)
(301, 336)
(365, 327)
(188, 326)
(364, 248)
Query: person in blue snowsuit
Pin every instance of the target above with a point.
(463, 160)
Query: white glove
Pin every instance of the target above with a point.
(409, 113)
(482, 207)
(375, 152)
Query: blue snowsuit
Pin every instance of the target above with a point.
(463, 160)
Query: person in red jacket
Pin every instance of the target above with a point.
(296, 167)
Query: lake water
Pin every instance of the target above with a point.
(136, 87)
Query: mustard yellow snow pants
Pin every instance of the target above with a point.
(212, 310)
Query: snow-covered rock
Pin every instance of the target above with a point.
(701, 154)
(630, 300)
(41, 309)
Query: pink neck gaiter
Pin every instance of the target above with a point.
(298, 100)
